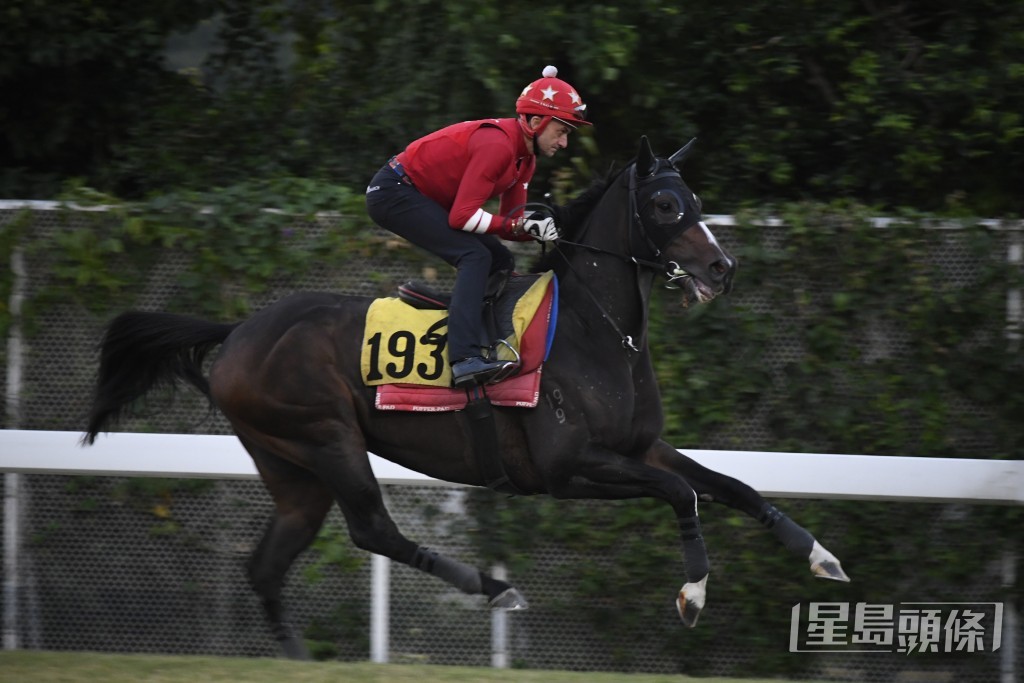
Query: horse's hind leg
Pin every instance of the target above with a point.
(345, 468)
(301, 503)
(716, 487)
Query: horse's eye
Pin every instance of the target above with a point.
(664, 206)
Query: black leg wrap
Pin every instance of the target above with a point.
(492, 587)
(792, 535)
(462, 576)
(423, 559)
(769, 515)
(695, 554)
(695, 559)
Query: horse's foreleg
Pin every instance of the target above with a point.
(719, 488)
(606, 475)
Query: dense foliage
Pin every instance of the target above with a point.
(913, 104)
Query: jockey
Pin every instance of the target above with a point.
(433, 195)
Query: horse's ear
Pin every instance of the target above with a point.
(645, 161)
(677, 158)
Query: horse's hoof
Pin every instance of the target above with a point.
(691, 601)
(510, 598)
(825, 565)
(295, 648)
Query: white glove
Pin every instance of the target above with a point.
(542, 230)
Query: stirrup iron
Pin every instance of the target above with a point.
(509, 370)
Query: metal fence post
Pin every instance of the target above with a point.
(380, 608)
(12, 481)
(499, 626)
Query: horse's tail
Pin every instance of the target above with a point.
(142, 350)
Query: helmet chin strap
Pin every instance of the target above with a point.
(532, 133)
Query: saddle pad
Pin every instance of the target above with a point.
(406, 345)
(521, 391)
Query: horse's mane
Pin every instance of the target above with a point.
(571, 216)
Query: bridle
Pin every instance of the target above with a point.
(640, 235)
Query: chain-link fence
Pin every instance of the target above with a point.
(126, 565)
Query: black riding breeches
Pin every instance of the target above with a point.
(401, 208)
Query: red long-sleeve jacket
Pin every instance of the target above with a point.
(464, 165)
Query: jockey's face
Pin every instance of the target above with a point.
(554, 137)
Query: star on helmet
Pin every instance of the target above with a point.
(549, 93)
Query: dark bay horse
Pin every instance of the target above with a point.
(288, 379)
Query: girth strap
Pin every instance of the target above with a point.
(484, 434)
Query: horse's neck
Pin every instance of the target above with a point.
(608, 278)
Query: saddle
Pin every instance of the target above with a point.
(502, 294)
(405, 339)
(520, 314)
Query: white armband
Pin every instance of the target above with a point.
(479, 222)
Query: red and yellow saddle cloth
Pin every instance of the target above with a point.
(405, 349)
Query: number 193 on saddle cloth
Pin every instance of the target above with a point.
(405, 356)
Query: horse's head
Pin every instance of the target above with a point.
(669, 227)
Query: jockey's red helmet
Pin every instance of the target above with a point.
(551, 98)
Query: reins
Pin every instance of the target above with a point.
(643, 263)
(627, 340)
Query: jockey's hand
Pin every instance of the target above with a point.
(541, 229)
